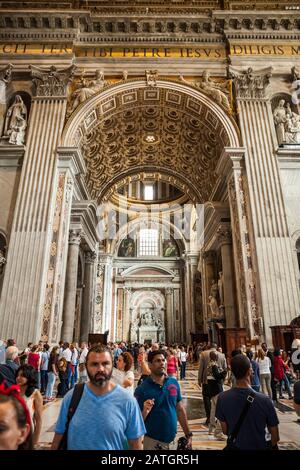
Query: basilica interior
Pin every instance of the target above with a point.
(149, 172)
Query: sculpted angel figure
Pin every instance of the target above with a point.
(86, 89)
(216, 90)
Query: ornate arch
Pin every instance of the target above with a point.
(131, 127)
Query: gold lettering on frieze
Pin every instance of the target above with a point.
(200, 52)
(205, 52)
(265, 49)
(152, 52)
(51, 49)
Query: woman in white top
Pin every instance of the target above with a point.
(26, 378)
(182, 359)
(123, 375)
(264, 364)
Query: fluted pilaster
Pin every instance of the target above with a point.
(278, 280)
(28, 258)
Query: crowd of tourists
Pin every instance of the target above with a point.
(128, 396)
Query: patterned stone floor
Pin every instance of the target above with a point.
(289, 425)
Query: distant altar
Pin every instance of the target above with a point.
(148, 326)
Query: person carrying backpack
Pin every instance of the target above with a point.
(99, 415)
(244, 414)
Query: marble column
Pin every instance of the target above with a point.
(71, 286)
(232, 167)
(25, 281)
(224, 237)
(126, 313)
(279, 289)
(169, 316)
(88, 295)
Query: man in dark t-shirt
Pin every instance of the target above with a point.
(261, 414)
(160, 401)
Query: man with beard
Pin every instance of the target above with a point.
(107, 415)
(160, 400)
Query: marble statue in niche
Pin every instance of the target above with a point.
(16, 122)
(287, 124)
(213, 299)
(2, 261)
(213, 305)
(221, 287)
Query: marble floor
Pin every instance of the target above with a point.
(289, 427)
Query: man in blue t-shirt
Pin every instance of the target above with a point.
(261, 414)
(160, 400)
(107, 416)
(297, 397)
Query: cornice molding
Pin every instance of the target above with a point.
(88, 27)
(11, 155)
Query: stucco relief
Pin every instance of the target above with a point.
(219, 90)
(84, 89)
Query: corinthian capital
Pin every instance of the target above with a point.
(51, 82)
(224, 235)
(90, 257)
(249, 83)
(75, 237)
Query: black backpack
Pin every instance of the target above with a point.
(7, 375)
(76, 397)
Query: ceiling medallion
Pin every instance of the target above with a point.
(151, 139)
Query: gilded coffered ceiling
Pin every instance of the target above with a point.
(151, 129)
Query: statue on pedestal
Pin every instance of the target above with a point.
(214, 308)
(221, 287)
(213, 299)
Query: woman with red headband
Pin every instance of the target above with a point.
(15, 424)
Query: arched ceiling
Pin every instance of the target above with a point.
(157, 129)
